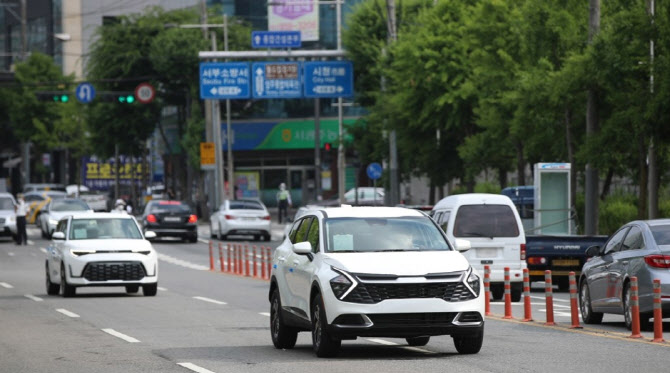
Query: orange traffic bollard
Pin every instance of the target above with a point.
(268, 253)
(247, 272)
(487, 290)
(573, 302)
(211, 257)
(549, 295)
(658, 312)
(527, 312)
(221, 256)
(229, 257)
(254, 262)
(238, 263)
(508, 295)
(634, 309)
(263, 263)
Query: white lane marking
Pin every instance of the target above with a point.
(557, 313)
(195, 368)
(183, 263)
(161, 289)
(120, 335)
(382, 341)
(30, 242)
(32, 297)
(209, 300)
(203, 240)
(532, 303)
(555, 299)
(43, 250)
(66, 312)
(10, 254)
(6, 285)
(264, 314)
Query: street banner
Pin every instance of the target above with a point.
(295, 15)
(99, 174)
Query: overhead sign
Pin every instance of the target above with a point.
(276, 80)
(374, 171)
(85, 93)
(229, 80)
(290, 15)
(275, 39)
(330, 79)
(145, 93)
(207, 156)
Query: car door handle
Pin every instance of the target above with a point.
(281, 259)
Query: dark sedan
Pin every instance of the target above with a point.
(171, 219)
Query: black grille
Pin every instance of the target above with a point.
(105, 271)
(412, 319)
(470, 317)
(377, 292)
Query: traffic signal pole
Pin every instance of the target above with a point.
(341, 171)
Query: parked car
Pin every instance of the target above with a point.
(373, 272)
(241, 217)
(492, 225)
(171, 219)
(37, 200)
(7, 215)
(640, 248)
(100, 249)
(98, 201)
(367, 196)
(56, 210)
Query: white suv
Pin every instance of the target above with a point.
(375, 272)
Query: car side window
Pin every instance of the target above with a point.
(301, 234)
(444, 220)
(633, 239)
(614, 244)
(294, 231)
(313, 235)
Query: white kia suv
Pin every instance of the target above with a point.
(349, 272)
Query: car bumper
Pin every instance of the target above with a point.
(8, 229)
(184, 231)
(498, 274)
(111, 269)
(246, 227)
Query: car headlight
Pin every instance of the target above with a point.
(342, 284)
(80, 252)
(472, 282)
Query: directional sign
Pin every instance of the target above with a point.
(276, 39)
(229, 80)
(207, 156)
(329, 79)
(276, 80)
(85, 93)
(374, 171)
(145, 93)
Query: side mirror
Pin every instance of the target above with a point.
(462, 245)
(593, 251)
(149, 235)
(302, 248)
(58, 236)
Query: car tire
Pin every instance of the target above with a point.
(267, 238)
(497, 291)
(52, 289)
(418, 341)
(132, 289)
(219, 235)
(516, 292)
(588, 315)
(257, 238)
(150, 290)
(323, 343)
(469, 344)
(283, 336)
(193, 239)
(645, 324)
(68, 290)
(211, 231)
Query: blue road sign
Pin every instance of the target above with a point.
(276, 80)
(229, 80)
(85, 93)
(374, 171)
(276, 39)
(329, 79)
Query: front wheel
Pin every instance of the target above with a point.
(588, 315)
(52, 289)
(516, 292)
(68, 290)
(628, 313)
(497, 291)
(283, 336)
(150, 290)
(324, 345)
(470, 344)
(132, 289)
(418, 341)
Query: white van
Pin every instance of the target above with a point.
(492, 225)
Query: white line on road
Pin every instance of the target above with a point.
(195, 368)
(30, 242)
(556, 299)
(161, 289)
(183, 263)
(66, 312)
(43, 250)
(32, 297)
(6, 285)
(120, 335)
(10, 254)
(382, 341)
(209, 300)
(533, 303)
(264, 314)
(203, 240)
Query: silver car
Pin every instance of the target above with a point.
(639, 248)
(241, 217)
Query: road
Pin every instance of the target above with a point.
(206, 321)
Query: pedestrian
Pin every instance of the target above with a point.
(120, 207)
(21, 210)
(283, 202)
(170, 194)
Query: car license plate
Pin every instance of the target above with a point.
(565, 262)
(248, 219)
(487, 252)
(172, 219)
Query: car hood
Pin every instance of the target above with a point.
(411, 263)
(110, 244)
(6, 213)
(57, 215)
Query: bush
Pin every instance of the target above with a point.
(616, 211)
(487, 188)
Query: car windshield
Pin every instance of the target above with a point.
(661, 234)
(170, 206)
(245, 205)
(6, 204)
(485, 221)
(383, 234)
(69, 205)
(90, 229)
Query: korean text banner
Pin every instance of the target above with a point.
(295, 15)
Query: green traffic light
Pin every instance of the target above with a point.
(130, 99)
(64, 98)
(122, 99)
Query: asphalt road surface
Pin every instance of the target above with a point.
(208, 321)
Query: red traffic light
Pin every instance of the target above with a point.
(327, 146)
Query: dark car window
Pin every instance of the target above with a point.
(68, 205)
(661, 234)
(245, 205)
(294, 230)
(6, 204)
(485, 221)
(633, 240)
(444, 220)
(614, 244)
(169, 206)
(313, 235)
(301, 234)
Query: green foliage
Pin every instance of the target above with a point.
(616, 211)
(487, 187)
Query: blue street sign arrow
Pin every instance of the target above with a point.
(276, 80)
(374, 171)
(276, 39)
(224, 80)
(330, 79)
(85, 93)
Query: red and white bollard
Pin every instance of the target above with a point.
(262, 252)
(238, 260)
(527, 311)
(211, 257)
(221, 257)
(255, 261)
(658, 312)
(634, 309)
(230, 257)
(574, 308)
(549, 295)
(508, 295)
(247, 272)
(268, 253)
(487, 290)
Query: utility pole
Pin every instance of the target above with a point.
(592, 127)
(652, 182)
(229, 133)
(24, 54)
(393, 156)
(317, 149)
(341, 164)
(218, 155)
(209, 137)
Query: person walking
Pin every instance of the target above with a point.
(283, 202)
(21, 210)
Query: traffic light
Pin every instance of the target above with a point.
(62, 97)
(327, 156)
(126, 98)
(327, 146)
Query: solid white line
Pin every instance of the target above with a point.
(32, 297)
(382, 342)
(209, 300)
(183, 263)
(120, 335)
(10, 254)
(203, 240)
(195, 368)
(264, 314)
(162, 289)
(43, 250)
(555, 299)
(66, 312)
(532, 303)
(30, 242)
(6, 285)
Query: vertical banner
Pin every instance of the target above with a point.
(247, 184)
(295, 15)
